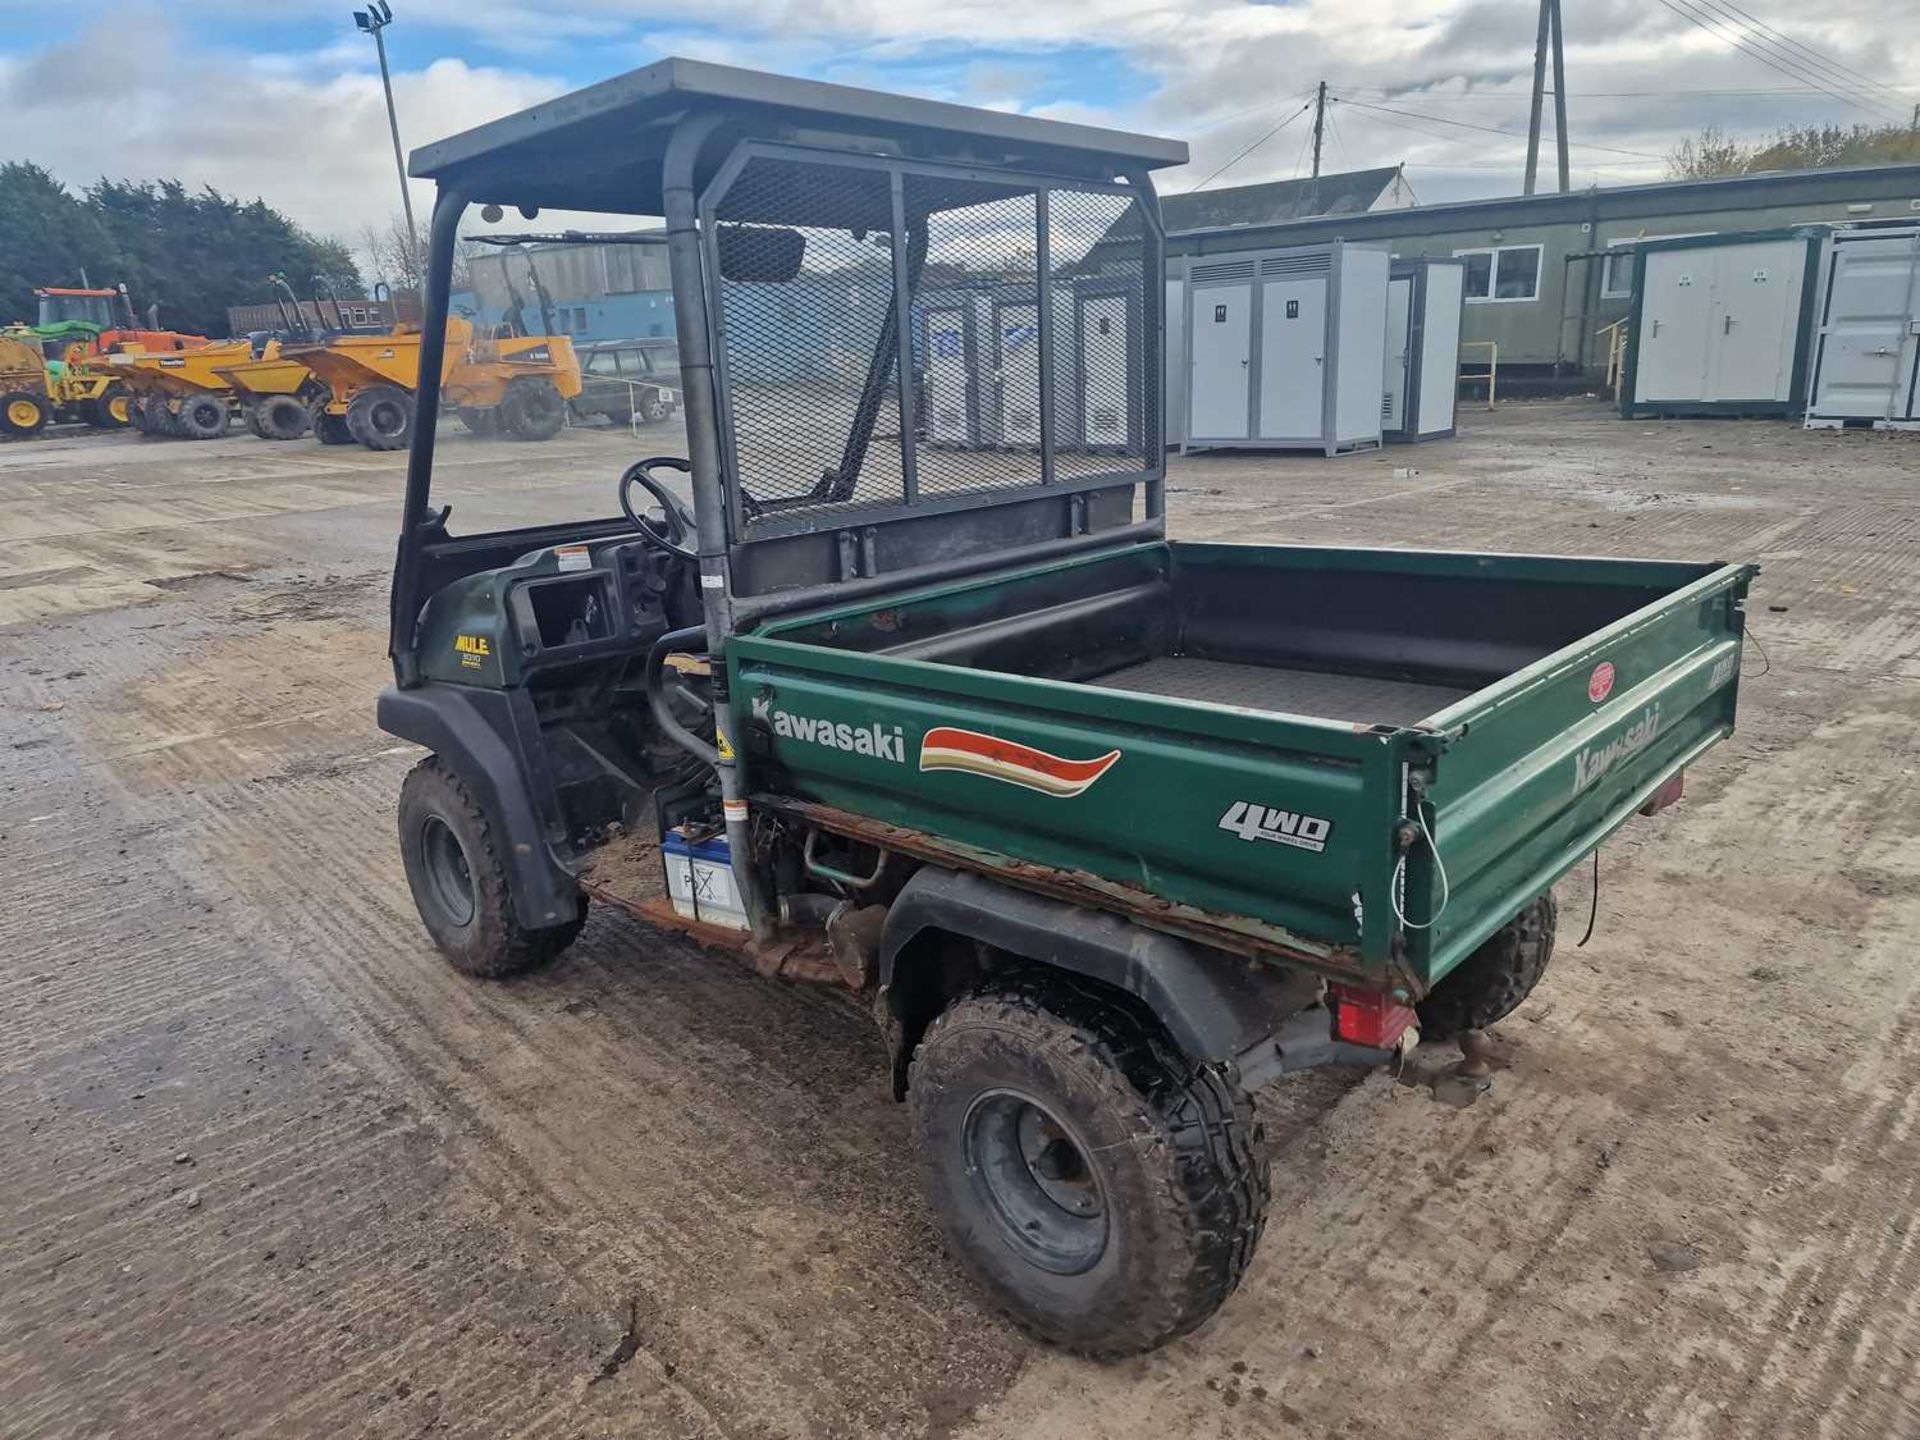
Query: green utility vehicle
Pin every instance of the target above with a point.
(1107, 831)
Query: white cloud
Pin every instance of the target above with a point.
(307, 132)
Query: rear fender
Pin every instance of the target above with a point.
(1213, 1005)
(474, 733)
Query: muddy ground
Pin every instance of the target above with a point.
(271, 1168)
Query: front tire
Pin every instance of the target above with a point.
(281, 417)
(381, 417)
(1104, 1189)
(533, 409)
(328, 428)
(202, 417)
(22, 413)
(1490, 984)
(459, 880)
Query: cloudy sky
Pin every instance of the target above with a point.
(281, 98)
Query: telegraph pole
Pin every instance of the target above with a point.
(1319, 126)
(1539, 87)
(1560, 98)
(1548, 41)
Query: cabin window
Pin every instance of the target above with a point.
(1502, 272)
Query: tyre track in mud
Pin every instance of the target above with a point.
(533, 1116)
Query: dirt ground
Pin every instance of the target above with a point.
(272, 1168)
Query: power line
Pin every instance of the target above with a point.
(1249, 150)
(1717, 29)
(1491, 129)
(1812, 66)
(1507, 97)
(1812, 54)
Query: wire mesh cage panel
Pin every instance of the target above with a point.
(1025, 347)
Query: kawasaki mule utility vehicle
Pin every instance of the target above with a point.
(916, 697)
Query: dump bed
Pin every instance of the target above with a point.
(1234, 742)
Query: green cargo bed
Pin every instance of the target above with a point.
(1244, 742)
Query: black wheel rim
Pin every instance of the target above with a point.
(449, 879)
(1033, 1174)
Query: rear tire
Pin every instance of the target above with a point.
(1490, 984)
(202, 417)
(652, 409)
(281, 417)
(381, 417)
(22, 413)
(459, 880)
(533, 409)
(1104, 1189)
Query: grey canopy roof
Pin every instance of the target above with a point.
(600, 148)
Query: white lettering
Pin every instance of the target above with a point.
(880, 742)
(1596, 760)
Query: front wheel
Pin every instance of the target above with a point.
(23, 413)
(459, 880)
(381, 417)
(1106, 1190)
(533, 409)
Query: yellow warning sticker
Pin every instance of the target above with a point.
(720, 743)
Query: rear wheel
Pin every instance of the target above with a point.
(280, 417)
(1490, 983)
(250, 414)
(459, 880)
(381, 417)
(23, 413)
(652, 409)
(1107, 1191)
(533, 409)
(202, 417)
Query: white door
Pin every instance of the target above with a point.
(1220, 326)
(1103, 372)
(1867, 345)
(948, 377)
(1017, 342)
(1293, 344)
(1676, 315)
(1757, 320)
(1174, 395)
(1393, 401)
(1439, 349)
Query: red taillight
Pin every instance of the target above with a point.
(1671, 790)
(1367, 1017)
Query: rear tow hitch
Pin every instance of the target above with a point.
(1458, 1083)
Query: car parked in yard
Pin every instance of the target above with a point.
(625, 378)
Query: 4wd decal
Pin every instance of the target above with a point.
(945, 748)
(1284, 827)
(881, 742)
(1597, 759)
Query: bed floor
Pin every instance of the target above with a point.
(1294, 692)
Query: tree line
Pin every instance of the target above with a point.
(1713, 153)
(191, 252)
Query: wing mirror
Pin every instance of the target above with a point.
(760, 254)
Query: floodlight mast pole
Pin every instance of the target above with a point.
(374, 21)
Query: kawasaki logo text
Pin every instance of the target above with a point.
(1596, 760)
(880, 742)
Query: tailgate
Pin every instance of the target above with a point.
(1538, 770)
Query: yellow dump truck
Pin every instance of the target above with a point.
(519, 387)
(181, 393)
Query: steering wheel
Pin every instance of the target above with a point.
(679, 526)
